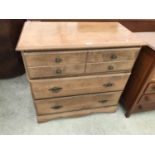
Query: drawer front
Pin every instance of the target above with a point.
(147, 102)
(112, 54)
(150, 88)
(81, 102)
(54, 58)
(43, 72)
(148, 98)
(78, 85)
(153, 75)
(109, 66)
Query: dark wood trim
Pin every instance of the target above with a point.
(138, 80)
(11, 64)
(135, 25)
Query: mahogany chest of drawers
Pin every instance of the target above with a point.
(77, 68)
(139, 94)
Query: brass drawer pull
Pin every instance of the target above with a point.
(56, 107)
(58, 71)
(110, 67)
(108, 84)
(58, 60)
(113, 56)
(55, 89)
(103, 101)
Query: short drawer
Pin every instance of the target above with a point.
(109, 66)
(147, 102)
(75, 103)
(112, 54)
(56, 71)
(148, 98)
(47, 88)
(54, 58)
(150, 88)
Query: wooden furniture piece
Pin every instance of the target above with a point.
(140, 25)
(134, 25)
(11, 63)
(77, 68)
(139, 94)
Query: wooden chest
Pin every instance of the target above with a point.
(77, 68)
(139, 94)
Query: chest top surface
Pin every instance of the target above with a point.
(73, 35)
(148, 37)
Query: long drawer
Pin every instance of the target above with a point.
(47, 88)
(109, 66)
(80, 102)
(54, 58)
(119, 54)
(56, 71)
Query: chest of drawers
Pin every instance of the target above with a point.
(142, 80)
(77, 68)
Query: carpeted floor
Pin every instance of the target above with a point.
(17, 116)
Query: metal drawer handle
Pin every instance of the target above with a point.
(58, 71)
(113, 56)
(108, 84)
(56, 107)
(58, 60)
(110, 67)
(55, 89)
(103, 101)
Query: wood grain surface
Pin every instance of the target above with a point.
(108, 67)
(56, 71)
(73, 103)
(61, 35)
(46, 88)
(45, 118)
(52, 58)
(117, 54)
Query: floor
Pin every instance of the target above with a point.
(17, 116)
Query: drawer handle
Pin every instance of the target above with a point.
(110, 67)
(55, 89)
(58, 60)
(58, 71)
(108, 84)
(113, 56)
(56, 107)
(103, 101)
